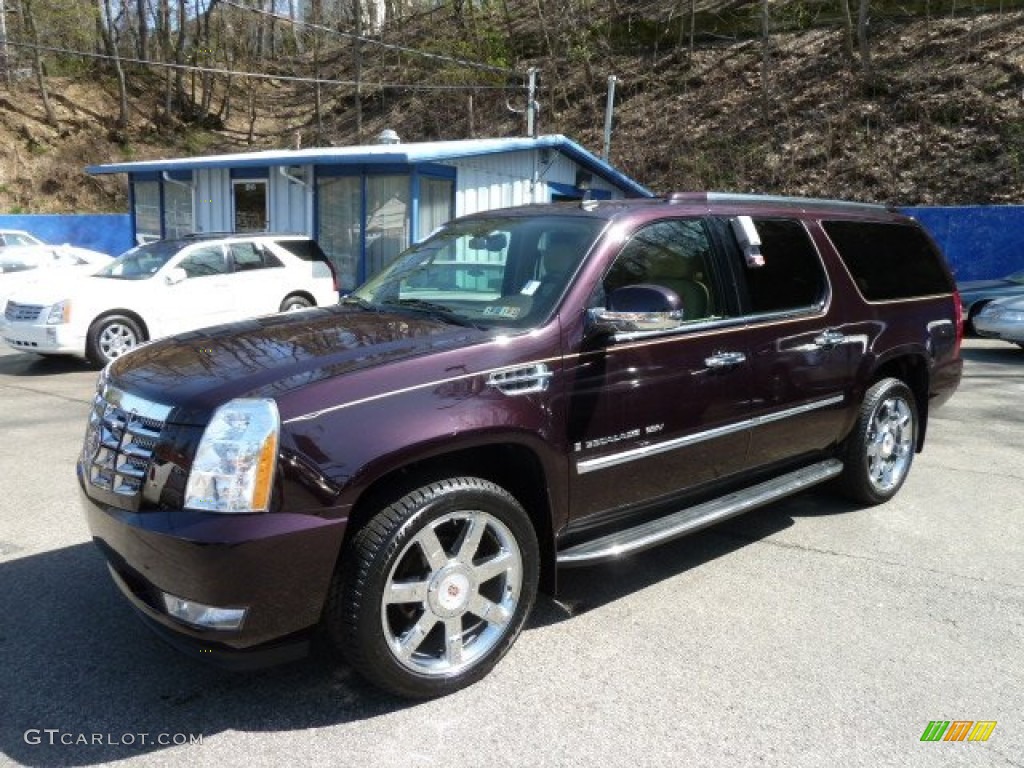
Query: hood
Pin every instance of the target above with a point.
(52, 285)
(269, 356)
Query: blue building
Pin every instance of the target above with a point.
(364, 204)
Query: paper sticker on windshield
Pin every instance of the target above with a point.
(510, 313)
(530, 288)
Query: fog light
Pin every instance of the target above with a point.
(203, 616)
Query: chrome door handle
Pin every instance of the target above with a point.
(829, 339)
(725, 360)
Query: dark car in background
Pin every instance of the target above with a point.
(975, 294)
(405, 470)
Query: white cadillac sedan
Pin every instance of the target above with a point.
(168, 287)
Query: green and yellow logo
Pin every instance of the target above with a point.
(958, 730)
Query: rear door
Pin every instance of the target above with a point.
(652, 417)
(802, 352)
(258, 279)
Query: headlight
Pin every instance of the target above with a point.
(1011, 316)
(234, 466)
(60, 313)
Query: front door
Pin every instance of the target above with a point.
(250, 205)
(650, 418)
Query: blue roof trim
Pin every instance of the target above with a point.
(383, 154)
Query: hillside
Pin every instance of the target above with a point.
(939, 119)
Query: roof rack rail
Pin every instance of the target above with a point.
(797, 202)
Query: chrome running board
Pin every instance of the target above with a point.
(692, 519)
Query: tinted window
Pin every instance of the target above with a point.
(204, 261)
(248, 256)
(792, 277)
(307, 250)
(889, 261)
(674, 254)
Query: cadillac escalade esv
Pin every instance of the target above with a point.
(526, 389)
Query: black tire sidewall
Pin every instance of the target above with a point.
(92, 339)
(354, 623)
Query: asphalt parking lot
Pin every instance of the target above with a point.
(809, 633)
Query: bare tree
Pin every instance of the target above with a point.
(862, 37)
(30, 25)
(109, 35)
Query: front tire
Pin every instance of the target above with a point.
(435, 589)
(110, 337)
(881, 447)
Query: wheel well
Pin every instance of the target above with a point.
(514, 468)
(912, 371)
(124, 313)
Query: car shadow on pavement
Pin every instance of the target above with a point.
(583, 589)
(42, 365)
(84, 679)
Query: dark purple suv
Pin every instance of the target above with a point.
(528, 388)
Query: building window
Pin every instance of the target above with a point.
(339, 215)
(436, 204)
(387, 220)
(147, 210)
(177, 210)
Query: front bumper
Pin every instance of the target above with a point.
(43, 339)
(277, 566)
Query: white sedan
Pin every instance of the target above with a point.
(1002, 319)
(168, 287)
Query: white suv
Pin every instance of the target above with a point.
(168, 287)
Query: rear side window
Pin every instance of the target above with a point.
(889, 261)
(307, 250)
(792, 277)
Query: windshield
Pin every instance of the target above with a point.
(141, 262)
(507, 271)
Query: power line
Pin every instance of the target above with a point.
(263, 75)
(371, 41)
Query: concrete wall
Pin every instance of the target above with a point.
(980, 242)
(107, 232)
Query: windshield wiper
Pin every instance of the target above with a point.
(439, 311)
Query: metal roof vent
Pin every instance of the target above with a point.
(388, 136)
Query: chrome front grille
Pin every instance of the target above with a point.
(119, 442)
(22, 313)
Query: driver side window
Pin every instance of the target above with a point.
(673, 254)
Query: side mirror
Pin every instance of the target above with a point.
(637, 309)
(175, 276)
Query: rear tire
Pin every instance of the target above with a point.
(295, 303)
(880, 449)
(110, 337)
(435, 589)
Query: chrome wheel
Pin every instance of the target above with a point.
(879, 450)
(451, 594)
(117, 338)
(435, 588)
(890, 443)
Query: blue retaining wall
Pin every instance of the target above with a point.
(107, 232)
(980, 242)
